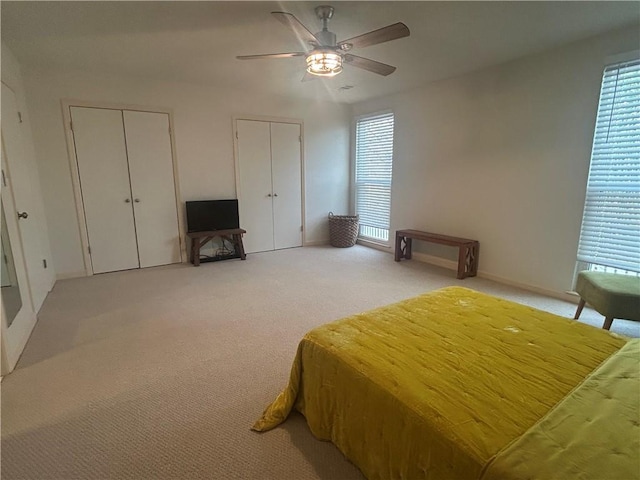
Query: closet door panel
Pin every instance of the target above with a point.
(287, 185)
(255, 200)
(106, 194)
(152, 187)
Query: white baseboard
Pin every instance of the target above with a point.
(377, 246)
(366, 243)
(566, 296)
(437, 261)
(67, 276)
(316, 243)
(451, 265)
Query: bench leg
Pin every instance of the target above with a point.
(195, 252)
(398, 253)
(607, 321)
(403, 248)
(237, 240)
(194, 255)
(472, 259)
(462, 260)
(468, 260)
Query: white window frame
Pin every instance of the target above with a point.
(361, 238)
(583, 263)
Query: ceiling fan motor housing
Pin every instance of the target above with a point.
(326, 38)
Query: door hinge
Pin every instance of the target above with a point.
(44, 262)
(89, 249)
(20, 117)
(6, 260)
(236, 134)
(301, 228)
(4, 179)
(300, 138)
(71, 125)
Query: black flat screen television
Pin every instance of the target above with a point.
(205, 215)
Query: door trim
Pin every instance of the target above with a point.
(262, 118)
(66, 105)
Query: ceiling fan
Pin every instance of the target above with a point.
(326, 56)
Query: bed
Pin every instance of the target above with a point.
(459, 384)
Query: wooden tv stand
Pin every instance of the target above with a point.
(199, 239)
(468, 253)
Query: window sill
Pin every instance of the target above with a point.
(378, 244)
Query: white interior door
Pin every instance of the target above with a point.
(153, 187)
(255, 195)
(25, 192)
(287, 185)
(106, 192)
(18, 315)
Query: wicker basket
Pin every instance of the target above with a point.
(343, 230)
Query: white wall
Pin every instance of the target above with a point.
(502, 156)
(25, 176)
(204, 144)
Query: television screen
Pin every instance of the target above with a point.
(205, 215)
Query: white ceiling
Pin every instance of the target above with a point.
(197, 41)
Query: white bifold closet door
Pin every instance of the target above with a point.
(270, 184)
(286, 178)
(153, 188)
(106, 191)
(128, 194)
(255, 202)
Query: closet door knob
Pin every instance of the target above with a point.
(137, 200)
(126, 200)
(268, 194)
(275, 194)
(23, 214)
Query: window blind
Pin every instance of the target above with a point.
(374, 161)
(610, 232)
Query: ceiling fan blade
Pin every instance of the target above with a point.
(298, 28)
(384, 34)
(368, 64)
(271, 55)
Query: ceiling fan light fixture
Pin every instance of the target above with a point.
(324, 63)
(327, 56)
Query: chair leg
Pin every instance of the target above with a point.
(607, 323)
(580, 307)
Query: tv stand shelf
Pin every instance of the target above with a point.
(199, 239)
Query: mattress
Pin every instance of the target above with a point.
(435, 386)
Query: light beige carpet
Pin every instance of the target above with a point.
(159, 373)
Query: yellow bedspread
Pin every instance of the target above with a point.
(594, 433)
(435, 386)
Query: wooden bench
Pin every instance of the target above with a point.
(198, 239)
(468, 252)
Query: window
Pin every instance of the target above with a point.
(610, 235)
(374, 161)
